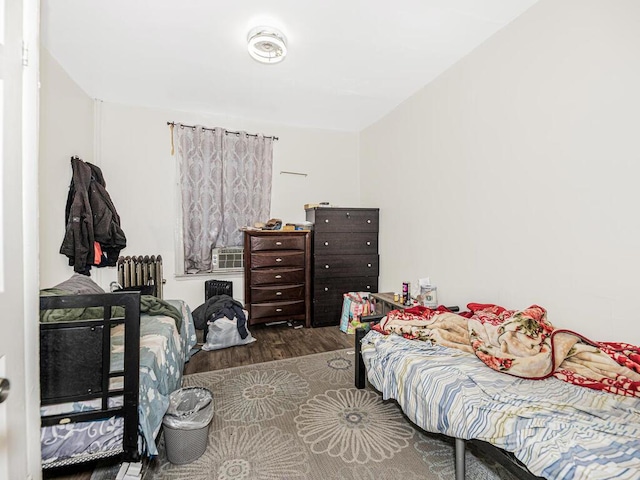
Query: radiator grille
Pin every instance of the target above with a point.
(141, 271)
(217, 287)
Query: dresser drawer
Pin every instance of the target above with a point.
(346, 266)
(324, 315)
(276, 242)
(277, 293)
(329, 293)
(288, 258)
(274, 276)
(327, 243)
(344, 220)
(331, 290)
(276, 309)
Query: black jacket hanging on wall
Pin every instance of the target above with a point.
(92, 234)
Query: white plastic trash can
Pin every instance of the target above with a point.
(186, 424)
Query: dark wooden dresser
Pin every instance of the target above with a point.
(277, 276)
(345, 258)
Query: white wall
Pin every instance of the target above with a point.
(133, 151)
(66, 129)
(513, 177)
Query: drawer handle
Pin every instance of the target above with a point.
(278, 293)
(326, 266)
(278, 243)
(348, 214)
(326, 220)
(326, 244)
(278, 259)
(368, 221)
(278, 309)
(368, 287)
(369, 265)
(278, 276)
(326, 289)
(368, 243)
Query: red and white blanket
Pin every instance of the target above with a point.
(523, 343)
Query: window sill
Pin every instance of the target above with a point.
(227, 272)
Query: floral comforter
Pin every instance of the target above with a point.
(523, 343)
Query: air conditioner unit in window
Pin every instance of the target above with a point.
(227, 257)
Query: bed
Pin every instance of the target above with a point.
(558, 422)
(108, 362)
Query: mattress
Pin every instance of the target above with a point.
(557, 429)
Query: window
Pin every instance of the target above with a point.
(225, 184)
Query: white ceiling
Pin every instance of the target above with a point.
(350, 61)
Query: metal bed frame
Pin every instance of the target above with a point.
(75, 359)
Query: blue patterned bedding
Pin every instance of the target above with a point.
(558, 430)
(163, 353)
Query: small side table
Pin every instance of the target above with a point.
(386, 303)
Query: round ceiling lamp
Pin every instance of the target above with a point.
(267, 45)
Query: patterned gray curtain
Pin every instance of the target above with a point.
(225, 183)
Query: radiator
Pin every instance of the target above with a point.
(141, 272)
(217, 287)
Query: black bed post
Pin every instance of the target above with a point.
(360, 370)
(131, 303)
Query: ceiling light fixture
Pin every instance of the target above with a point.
(267, 45)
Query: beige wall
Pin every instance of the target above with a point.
(512, 178)
(132, 146)
(66, 129)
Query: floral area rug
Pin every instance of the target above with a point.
(302, 418)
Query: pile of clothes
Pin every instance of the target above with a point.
(224, 321)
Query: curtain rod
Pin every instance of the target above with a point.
(226, 131)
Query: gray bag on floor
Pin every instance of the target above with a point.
(223, 333)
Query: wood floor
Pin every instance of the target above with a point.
(273, 342)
